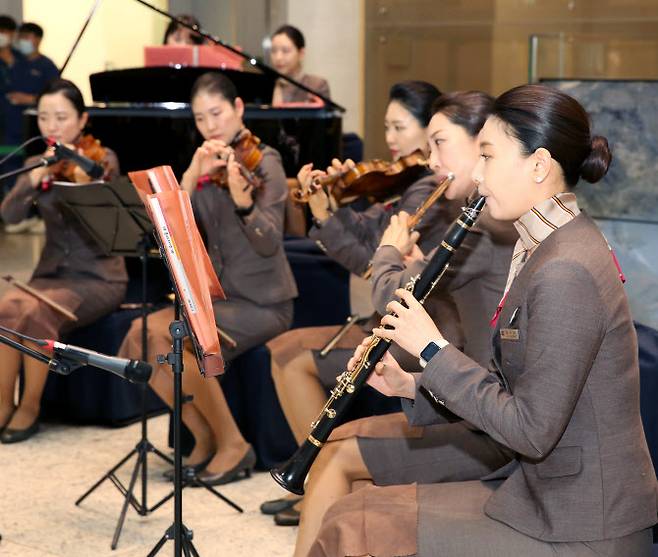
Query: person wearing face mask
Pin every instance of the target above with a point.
(39, 69)
(385, 449)
(11, 68)
(243, 227)
(563, 396)
(301, 377)
(287, 56)
(72, 270)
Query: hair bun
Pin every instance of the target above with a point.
(596, 164)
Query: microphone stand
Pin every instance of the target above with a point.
(62, 366)
(43, 161)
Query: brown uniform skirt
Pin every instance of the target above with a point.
(288, 346)
(89, 299)
(443, 520)
(247, 323)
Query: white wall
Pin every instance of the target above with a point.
(114, 39)
(334, 32)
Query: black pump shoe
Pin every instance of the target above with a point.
(9, 435)
(289, 517)
(189, 470)
(275, 506)
(244, 467)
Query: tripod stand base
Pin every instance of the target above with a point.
(142, 449)
(186, 541)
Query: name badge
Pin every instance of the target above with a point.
(509, 334)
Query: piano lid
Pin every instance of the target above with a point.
(162, 84)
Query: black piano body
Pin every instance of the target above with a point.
(144, 115)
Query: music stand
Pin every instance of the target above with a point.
(195, 283)
(114, 217)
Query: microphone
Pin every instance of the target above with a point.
(135, 371)
(92, 168)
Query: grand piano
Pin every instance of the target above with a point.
(144, 115)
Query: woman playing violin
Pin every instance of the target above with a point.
(71, 271)
(243, 225)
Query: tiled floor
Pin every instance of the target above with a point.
(41, 479)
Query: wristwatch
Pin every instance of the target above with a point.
(430, 350)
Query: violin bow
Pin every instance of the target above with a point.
(39, 296)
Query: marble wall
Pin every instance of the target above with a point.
(625, 202)
(626, 113)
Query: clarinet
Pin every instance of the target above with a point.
(292, 474)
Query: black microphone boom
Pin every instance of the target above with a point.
(134, 371)
(92, 168)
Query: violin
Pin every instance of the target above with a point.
(91, 147)
(375, 179)
(248, 155)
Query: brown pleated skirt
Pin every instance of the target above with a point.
(89, 299)
(248, 324)
(443, 520)
(288, 346)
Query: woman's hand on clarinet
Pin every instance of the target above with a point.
(318, 200)
(416, 254)
(411, 328)
(239, 188)
(388, 377)
(397, 234)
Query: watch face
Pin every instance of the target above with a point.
(429, 351)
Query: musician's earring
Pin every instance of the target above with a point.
(538, 180)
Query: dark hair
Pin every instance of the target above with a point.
(174, 25)
(215, 83)
(417, 97)
(468, 109)
(294, 34)
(540, 116)
(32, 28)
(7, 23)
(69, 90)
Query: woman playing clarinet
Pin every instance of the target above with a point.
(563, 392)
(72, 271)
(301, 375)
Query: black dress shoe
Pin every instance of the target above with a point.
(275, 506)
(17, 435)
(289, 517)
(242, 468)
(189, 470)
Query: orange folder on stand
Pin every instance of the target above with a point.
(195, 280)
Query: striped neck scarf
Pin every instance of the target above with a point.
(534, 227)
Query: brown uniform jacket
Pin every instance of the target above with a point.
(566, 398)
(287, 92)
(69, 250)
(475, 281)
(351, 238)
(247, 252)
